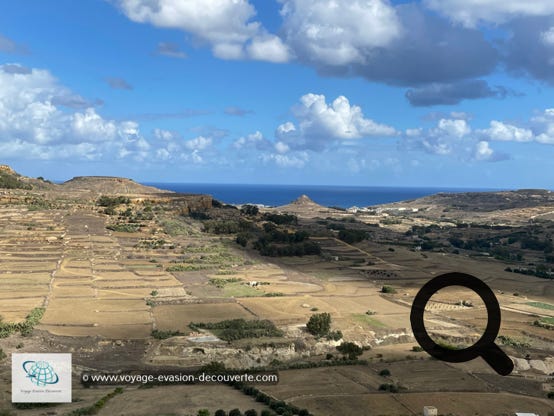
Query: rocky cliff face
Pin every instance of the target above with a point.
(7, 170)
(179, 351)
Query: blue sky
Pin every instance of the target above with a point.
(446, 93)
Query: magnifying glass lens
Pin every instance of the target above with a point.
(455, 317)
(485, 347)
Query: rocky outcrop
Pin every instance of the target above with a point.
(545, 366)
(179, 351)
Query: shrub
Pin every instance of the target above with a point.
(384, 373)
(108, 201)
(352, 236)
(242, 239)
(236, 329)
(249, 210)
(334, 335)
(281, 219)
(319, 324)
(165, 334)
(124, 228)
(389, 387)
(388, 289)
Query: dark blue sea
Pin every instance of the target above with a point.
(275, 195)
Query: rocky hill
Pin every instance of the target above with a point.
(110, 185)
(305, 207)
(489, 201)
(10, 179)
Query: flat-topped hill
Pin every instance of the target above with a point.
(110, 185)
(485, 201)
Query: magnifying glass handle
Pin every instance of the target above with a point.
(498, 360)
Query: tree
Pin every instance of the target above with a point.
(235, 412)
(203, 412)
(266, 413)
(251, 412)
(319, 324)
(220, 412)
(350, 349)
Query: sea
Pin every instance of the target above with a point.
(329, 196)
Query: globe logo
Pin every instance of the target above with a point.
(40, 373)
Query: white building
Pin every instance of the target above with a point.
(430, 411)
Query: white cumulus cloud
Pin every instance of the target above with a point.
(320, 123)
(198, 143)
(451, 137)
(471, 12)
(339, 32)
(506, 132)
(32, 125)
(254, 141)
(227, 25)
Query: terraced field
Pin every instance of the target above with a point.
(95, 290)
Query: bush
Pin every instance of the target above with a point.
(235, 329)
(251, 412)
(165, 334)
(220, 412)
(384, 373)
(388, 289)
(108, 201)
(249, 210)
(389, 387)
(203, 412)
(334, 335)
(235, 412)
(281, 219)
(417, 348)
(352, 236)
(319, 324)
(124, 228)
(242, 239)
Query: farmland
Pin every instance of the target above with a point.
(118, 281)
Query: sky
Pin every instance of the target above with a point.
(430, 93)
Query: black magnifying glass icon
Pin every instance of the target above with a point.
(485, 347)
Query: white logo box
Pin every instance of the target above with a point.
(41, 378)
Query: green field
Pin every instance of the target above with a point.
(368, 320)
(541, 305)
(240, 290)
